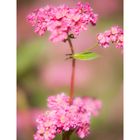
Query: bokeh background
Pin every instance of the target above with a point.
(43, 71)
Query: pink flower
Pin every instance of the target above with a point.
(62, 20)
(59, 101)
(114, 35)
(61, 116)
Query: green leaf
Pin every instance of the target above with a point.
(85, 56)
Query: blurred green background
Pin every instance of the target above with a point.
(43, 71)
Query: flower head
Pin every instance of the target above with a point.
(62, 20)
(114, 35)
(61, 116)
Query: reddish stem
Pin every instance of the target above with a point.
(73, 73)
(66, 135)
(72, 81)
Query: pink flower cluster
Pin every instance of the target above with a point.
(61, 116)
(62, 20)
(114, 35)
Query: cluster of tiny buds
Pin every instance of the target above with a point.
(114, 35)
(63, 117)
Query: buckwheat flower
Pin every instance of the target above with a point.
(63, 117)
(93, 105)
(114, 35)
(83, 131)
(46, 129)
(62, 20)
(59, 101)
(103, 40)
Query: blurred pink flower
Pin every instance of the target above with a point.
(62, 117)
(62, 20)
(114, 35)
(107, 7)
(58, 75)
(26, 118)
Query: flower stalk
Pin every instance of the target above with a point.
(66, 135)
(72, 82)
